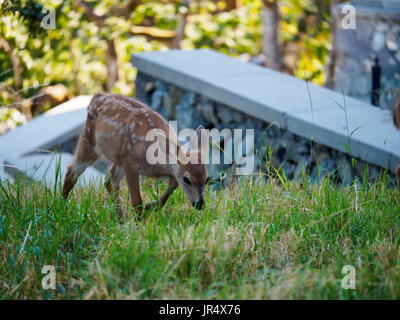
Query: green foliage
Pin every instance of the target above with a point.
(234, 33)
(163, 15)
(11, 116)
(29, 13)
(74, 52)
(307, 23)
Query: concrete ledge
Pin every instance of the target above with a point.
(47, 130)
(19, 147)
(275, 97)
(43, 167)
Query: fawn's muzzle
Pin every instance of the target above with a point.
(199, 204)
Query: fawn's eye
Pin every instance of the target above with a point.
(187, 181)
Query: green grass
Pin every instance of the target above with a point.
(277, 240)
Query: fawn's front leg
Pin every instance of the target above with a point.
(172, 185)
(132, 179)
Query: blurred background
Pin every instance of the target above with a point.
(90, 47)
(89, 50)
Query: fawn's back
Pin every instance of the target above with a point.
(117, 127)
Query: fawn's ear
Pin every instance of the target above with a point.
(199, 142)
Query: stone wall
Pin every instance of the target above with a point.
(377, 34)
(275, 147)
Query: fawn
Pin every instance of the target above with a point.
(116, 128)
(396, 122)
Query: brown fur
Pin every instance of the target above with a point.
(116, 128)
(396, 122)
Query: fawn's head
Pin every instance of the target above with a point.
(190, 170)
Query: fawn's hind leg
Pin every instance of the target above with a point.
(112, 182)
(398, 176)
(85, 155)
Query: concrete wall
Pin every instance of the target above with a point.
(276, 147)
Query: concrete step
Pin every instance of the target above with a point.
(19, 147)
(44, 167)
(49, 129)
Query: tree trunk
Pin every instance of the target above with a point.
(111, 52)
(330, 81)
(232, 4)
(15, 61)
(271, 46)
(180, 32)
(111, 64)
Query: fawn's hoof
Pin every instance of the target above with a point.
(151, 206)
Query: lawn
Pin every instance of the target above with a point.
(272, 240)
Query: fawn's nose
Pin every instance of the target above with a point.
(199, 204)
